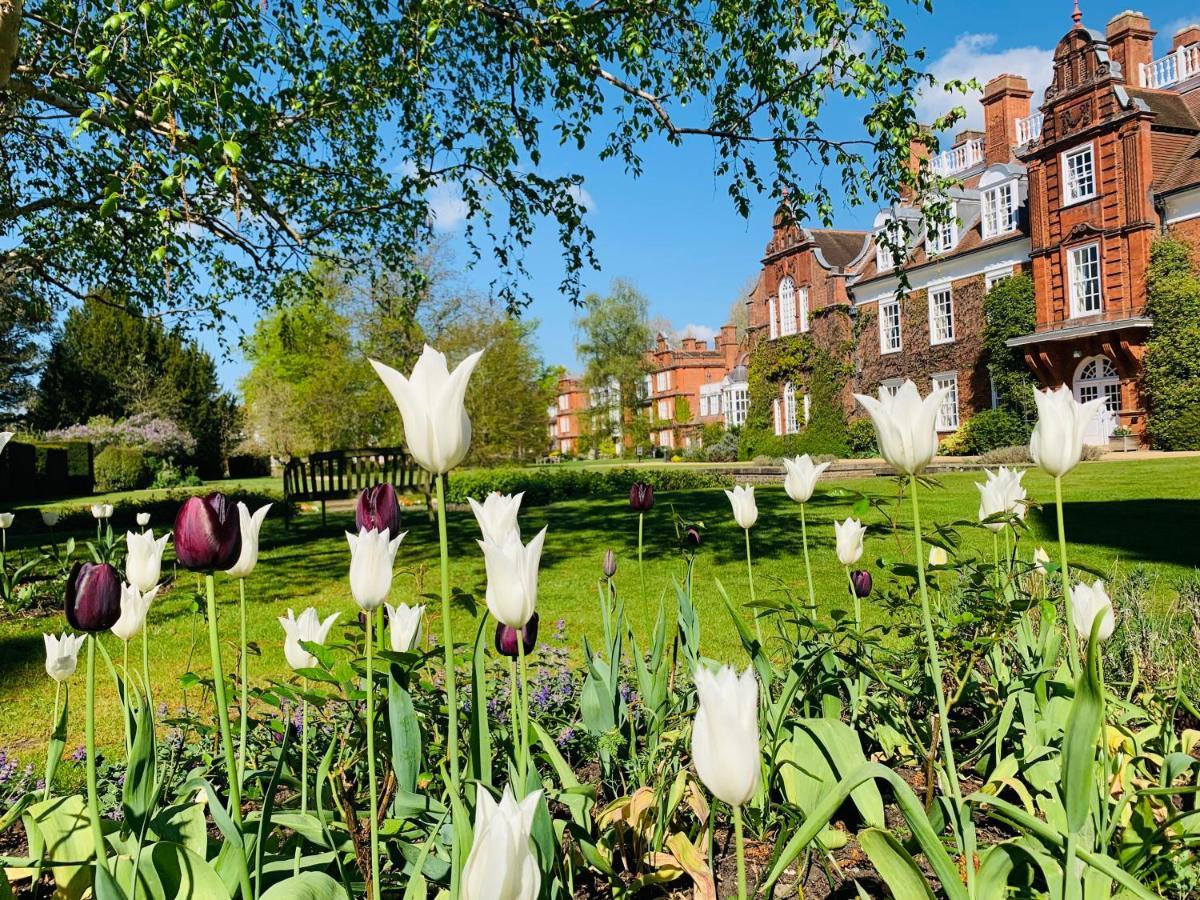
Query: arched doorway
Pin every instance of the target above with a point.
(1097, 377)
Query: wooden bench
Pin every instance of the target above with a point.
(343, 474)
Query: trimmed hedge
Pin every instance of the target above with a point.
(550, 484)
(30, 470)
(121, 469)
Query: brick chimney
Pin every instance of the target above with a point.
(1131, 43)
(726, 342)
(918, 150)
(1005, 99)
(1185, 36)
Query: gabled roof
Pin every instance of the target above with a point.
(840, 248)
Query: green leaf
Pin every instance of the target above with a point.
(140, 787)
(307, 886)
(109, 206)
(1082, 738)
(896, 867)
(59, 830)
(168, 871)
(481, 735)
(58, 742)
(233, 151)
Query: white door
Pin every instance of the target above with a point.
(1096, 377)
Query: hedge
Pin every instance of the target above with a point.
(550, 484)
(121, 469)
(31, 470)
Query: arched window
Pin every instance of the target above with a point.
(791, 424)
(1095, 378)
(787, 307)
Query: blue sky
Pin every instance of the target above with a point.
(674, 233)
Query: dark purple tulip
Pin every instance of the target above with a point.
(378, 508)
(861, 580)
(208, 534)
(641, 496)
(691, 537)
(610, 564)
(506, 638)
(93, 597)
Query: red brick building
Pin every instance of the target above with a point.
(567, 415)
(684, 378)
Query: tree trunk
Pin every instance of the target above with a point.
(10, 27)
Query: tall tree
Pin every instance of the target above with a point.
(21, 326)
(613, 337)
(182, 152)
(109, 361)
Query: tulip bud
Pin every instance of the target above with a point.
(861, 581)
(1089, 602)
(801, 478)
(49, 517)
(691, 537)
(308, 627)
(143, 561)
(62, 654)
(207, 533)
(6, 520)
(938, 556)
(102, 510)
(849, 535)
(725, 742)
(372, 556)
(641, 496)
(745, 510)
(143, 519)
(610, 564)
(404, 626)
(249, 524)
(497, 516)
(502, 862)
(378, 508)
(507, 636)
(93, 600)
(134, 606)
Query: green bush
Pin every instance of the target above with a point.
(552, 483)
(1172, 361)
(861, 438)
(1009, 311)
(992, 429)
(121, 469)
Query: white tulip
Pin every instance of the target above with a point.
(49, 517)
(62, 654)
(143, 519)
(437, 428)
(938, 556)
(745, 510)
(801, 478)
(502, 864)
(134, 606)
(6, 520)
(1057, 440)
(102, 510)
(725, 733)
(308, 627)
(849, 536)
(1040, 558)
(905, 425)
(404, 626)
(512, 578)
(250, 525)
(372, 555)
(1087, 602)
(5, 437)
(497, 516)
(1004, 494)
(143, 560)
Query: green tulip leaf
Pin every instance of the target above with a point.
(895, 866)
(59, 830)
(405, 734)
(307, 886)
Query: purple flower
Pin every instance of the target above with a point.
(610, 564)
(378, 508)
(860, 580)
(93, 601)
(641, 497)
(507, 636)
(208, 533)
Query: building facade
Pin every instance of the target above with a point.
(1071, 189)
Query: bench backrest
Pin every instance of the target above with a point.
(341, 474)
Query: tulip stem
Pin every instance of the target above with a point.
(740, 841)
(146, 664)
(1066, 579)
(524, 711)
(125, 699)
(641, 573)
(303, 763)
(89, 736)
(514, 697)
(812, 594)
(859, 681)
(53, 728)
(753, 605)
(244, 677)
(448, 642)
(214, 647)
(935, 666)
(370, 686)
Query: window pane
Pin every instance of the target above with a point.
(941, 316)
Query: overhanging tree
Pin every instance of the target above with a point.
(181, 152)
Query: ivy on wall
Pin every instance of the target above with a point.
(1010, 311)
(820, 373)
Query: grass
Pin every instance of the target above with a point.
(1142, 512)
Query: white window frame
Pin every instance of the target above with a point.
(891, 386)
(1000, 209)
(776, 418)
(663, 380)
(947, 417)
(937, 334)
(807, 409)
(564, 425)
(1072, 182)
(1076, 285)
(790, 423)
(563, 401)
(738, 406)
(802, 308)
(883, 256)
(772, 325)
(787, 307)
(664, 410)
(941, 237)
(995, 276)
(885, 346)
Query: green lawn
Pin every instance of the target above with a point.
(1143, 512)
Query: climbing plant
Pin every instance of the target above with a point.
(1010, 311)
(1172, 362)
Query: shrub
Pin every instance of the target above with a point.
(551, 484)
(249, 465)
(1173, 349)
(45, 469)
(169, 475)
(1006, 456)
(121, 469)
(153, 435)
(992, 429)
(1009, 311)
(722, 448)
(861, 438)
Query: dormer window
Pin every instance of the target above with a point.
(893, 232)
(942, 236)
(1000, 209)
